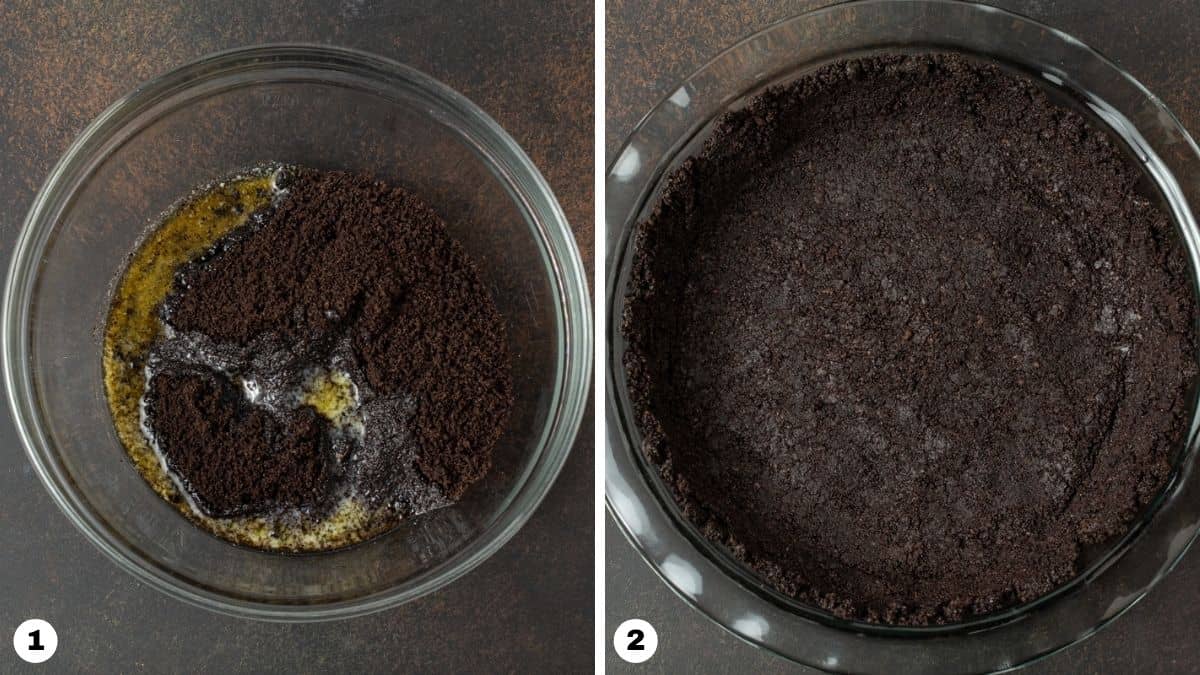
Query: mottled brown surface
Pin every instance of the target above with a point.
(651, 46)
(529, 65)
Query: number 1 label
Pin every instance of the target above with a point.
(35, 641)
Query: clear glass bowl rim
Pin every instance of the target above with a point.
(618, 419)
(494, 146)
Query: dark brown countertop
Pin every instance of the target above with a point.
(527, 63)
(654, 44)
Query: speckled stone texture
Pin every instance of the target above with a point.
(529, 64)
(651, 46)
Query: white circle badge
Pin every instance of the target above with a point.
(35, 641)
(635, 640)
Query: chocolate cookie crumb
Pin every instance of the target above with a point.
(907, 338)
(345, 293)
(237, 459)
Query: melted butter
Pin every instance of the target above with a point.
(134, 325)
(333, 395)
(133, 322)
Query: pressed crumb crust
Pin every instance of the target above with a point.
(906, 338)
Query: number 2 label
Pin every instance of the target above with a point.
(635, 641)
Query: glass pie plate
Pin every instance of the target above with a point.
(707, 576)
(327, 108)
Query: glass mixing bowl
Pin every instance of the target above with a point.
(327, 108)
(704, 574)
